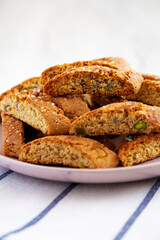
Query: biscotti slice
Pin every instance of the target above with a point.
(112, 62)
(149, 93)
(94, 80)
(149, 90)
(13, 135)
(118, 118)
(138, 149)
(39, 112)
(73, 107)
(70, 151)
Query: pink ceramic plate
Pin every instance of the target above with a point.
(146, 170)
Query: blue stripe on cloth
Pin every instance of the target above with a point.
(44, 212)
(5, 174)
(139, 210)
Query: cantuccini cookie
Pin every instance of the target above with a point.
(149, 93)
(96, 80)
(112, 62)
(13, 135)
(138, 149)
(39, 112)
(70, 151)
(118, 118)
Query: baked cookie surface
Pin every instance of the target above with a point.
(149, 93)
(118, 118)
(138, 149)
(70, 151)
(13, 135)
(112, 62)
(73, 107)
(96, 80)
(147, 76)
(39, 112)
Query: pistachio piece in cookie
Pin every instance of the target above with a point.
(140, 124)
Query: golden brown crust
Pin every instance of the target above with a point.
(94, 79)
(70, 151)
(39, 112)
(112, 62)
(118, 118)
(138, 149)
(147, 76)
(115, 62)
(13, 135)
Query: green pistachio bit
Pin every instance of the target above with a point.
(123, 97)
(140, 125)
(24, 89)
(80, 131)
(81, 165)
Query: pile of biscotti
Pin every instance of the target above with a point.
(71, 114)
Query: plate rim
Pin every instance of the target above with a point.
(82, 175)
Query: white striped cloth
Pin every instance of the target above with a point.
(31, 208)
